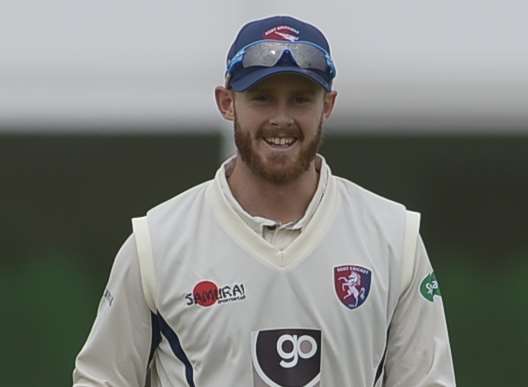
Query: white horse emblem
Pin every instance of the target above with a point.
(351, 283)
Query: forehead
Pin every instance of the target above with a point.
(285, 82)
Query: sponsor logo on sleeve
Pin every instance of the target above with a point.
(352, 284)
(430, 288)
(207, 293)
(286, 357)
(108, 297)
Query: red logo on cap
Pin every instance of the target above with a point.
(282, 33)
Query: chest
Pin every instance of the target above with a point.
(217, 296)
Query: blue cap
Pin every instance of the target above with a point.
(277, 28)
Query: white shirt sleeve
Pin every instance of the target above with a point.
(117, 350)
(418, 350)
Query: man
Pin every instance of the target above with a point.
(276, 272)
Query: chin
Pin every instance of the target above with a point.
(280, 171)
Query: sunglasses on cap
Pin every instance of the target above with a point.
(266, 53)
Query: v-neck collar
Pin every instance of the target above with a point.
(257, 246)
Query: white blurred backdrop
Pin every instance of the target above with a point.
(79, 65)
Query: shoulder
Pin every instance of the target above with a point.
(366, 199)
(174, 214)
(373, 213)
(175, 219)
(182, 202)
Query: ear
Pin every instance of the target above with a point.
(328, 104)
(225, 100)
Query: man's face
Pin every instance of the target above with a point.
(278, 126)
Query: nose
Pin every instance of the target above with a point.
(281, 119)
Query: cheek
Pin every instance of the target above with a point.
(311, 122)
(249, 114)
(250, 121)
(310, 114)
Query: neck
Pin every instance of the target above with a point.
(283, 203)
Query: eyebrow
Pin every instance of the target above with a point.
(268, 90)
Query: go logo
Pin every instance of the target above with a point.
(286, 357)
(304, 347)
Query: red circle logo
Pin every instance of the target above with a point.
(205, 293)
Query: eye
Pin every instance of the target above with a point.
(302, 99)
(260, 98)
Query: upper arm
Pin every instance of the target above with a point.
(116, 352)
(418, 350)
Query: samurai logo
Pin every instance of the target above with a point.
(286, 357)
(352, 284)
(207, 293)
(429, 287)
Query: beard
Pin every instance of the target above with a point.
(278, 169)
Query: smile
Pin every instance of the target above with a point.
(280, 141)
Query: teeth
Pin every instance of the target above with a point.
(280, 140)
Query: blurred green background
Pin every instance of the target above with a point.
(67, 202)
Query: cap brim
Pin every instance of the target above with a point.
(251, 78)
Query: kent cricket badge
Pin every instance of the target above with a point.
(352, 284)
